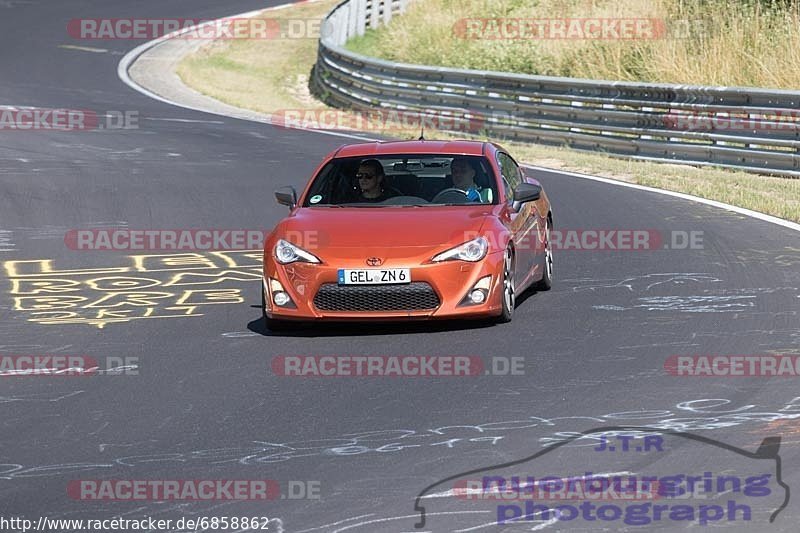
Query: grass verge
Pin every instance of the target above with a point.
(260, 74)
(751, 43)
(272, 75)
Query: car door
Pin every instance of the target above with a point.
(521, 223)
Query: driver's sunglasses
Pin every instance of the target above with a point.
(364, 176)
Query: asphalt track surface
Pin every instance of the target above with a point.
(205, 404)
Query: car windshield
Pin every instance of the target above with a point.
(403, 180)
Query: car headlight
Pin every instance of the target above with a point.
(471, 251)
(286, 252)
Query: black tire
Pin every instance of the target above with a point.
(509, 296)
(546, 282)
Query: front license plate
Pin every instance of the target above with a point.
(382, 276)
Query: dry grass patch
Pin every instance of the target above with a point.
(752, 43)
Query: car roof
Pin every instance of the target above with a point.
(461, 147)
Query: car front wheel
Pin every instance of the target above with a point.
(547, 271)
(509, 290)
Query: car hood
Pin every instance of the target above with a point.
(371, 227)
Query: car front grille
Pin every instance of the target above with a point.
(414, 296)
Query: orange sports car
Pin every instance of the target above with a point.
(408, 230)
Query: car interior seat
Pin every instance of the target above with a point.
(406, 184)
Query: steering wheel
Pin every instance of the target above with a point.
(457, 194)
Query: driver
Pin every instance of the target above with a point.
(371, 179)
(464, 172)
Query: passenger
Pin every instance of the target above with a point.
(371, 182)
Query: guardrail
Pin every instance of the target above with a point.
(755, 130)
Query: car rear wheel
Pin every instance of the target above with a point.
(509, 290)
(547, 275)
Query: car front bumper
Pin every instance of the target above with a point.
(436, 291)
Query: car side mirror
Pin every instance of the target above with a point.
(526, 192)
(286, 196)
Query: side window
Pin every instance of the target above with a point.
(511, 174)
(509, 190)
